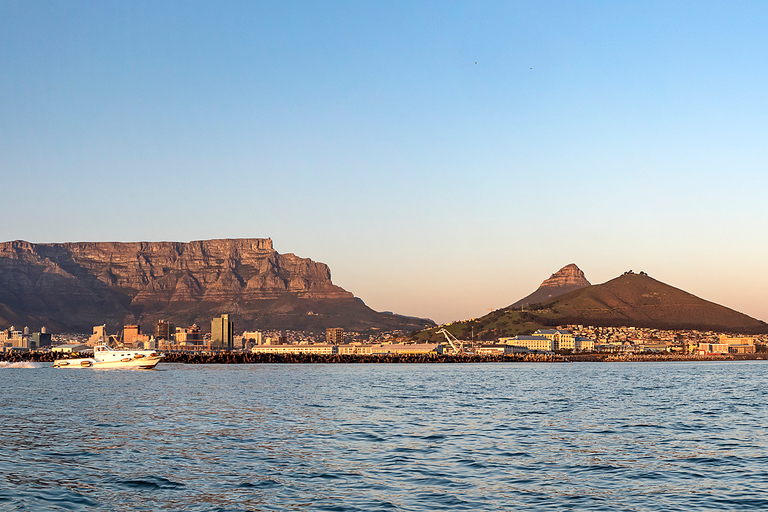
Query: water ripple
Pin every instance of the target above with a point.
(635, 437)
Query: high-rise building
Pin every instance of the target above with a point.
(253, 337)
(190, 335)
(41, 339)
(222, 333)
(334, 335)
(164, 330)
(130, 334)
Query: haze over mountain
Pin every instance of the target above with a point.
(74, 286)
(567, 279)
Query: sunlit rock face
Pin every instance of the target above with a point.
(565, 280)
(78, 285)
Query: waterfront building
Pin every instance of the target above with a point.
(334, 335)
(355, 348)
(99, 335)
(69, 348)
(537, 343)
(561, 339)
(498, 348)
(583, 344)
(295, 349)
(399, 348)
(713, 348)
(736, 340)
(222, 333)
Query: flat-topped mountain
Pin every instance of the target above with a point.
(73, 286)
(565, 280)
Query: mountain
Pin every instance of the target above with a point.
(633, 300)
(74, 286)
(641, 301)
(565, 280)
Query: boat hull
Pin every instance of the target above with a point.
(145, 363)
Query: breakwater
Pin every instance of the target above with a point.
(258, 358)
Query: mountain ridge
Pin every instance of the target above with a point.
(631, 300)
(565, 280)
(80, 284)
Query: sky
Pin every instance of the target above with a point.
(443, 158)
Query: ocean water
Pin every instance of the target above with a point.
(582, 436)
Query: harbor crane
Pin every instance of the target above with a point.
(452, 341)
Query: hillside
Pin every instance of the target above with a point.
(567, 279)
(628, 300)
(75, 286)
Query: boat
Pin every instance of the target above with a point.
(105, 357)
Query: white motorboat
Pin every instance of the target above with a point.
(105, 357)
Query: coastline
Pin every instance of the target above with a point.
(251, 358)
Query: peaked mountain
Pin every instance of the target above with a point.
(641, 301)
(632, 300)
(565, 280)
(74, 286)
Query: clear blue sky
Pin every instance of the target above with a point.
(443, 158)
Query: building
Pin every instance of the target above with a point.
(40, 339)
(164, 330)
(251, 338)
(189, 336)
(131, 334)
(741, 349)
(561, 339)
(713, 348)
(70, 348)
(736, 340)
(222, 333)
(499, 348)
(11, 338)
(354, 348)
(99, 335)
(583, 344)
(534, 343)
(294, 349)
(397, 348)
(334, 335)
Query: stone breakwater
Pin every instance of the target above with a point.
(249, 358)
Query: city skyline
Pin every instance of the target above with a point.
(442, 158)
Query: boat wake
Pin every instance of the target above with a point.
(21, 364)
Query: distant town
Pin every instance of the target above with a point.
(569, 339)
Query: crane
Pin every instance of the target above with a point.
(452, 341)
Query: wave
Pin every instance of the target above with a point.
(21, 364)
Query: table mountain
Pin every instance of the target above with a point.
(74, 286)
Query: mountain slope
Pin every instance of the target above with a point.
(74, 286)
(635, 300)
(565, 280)
(641, 301)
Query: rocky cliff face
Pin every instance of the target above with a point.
(569, 275)
(78, 285)
(565, 280)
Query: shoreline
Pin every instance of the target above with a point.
(258, 358)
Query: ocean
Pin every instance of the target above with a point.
(403, 437)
